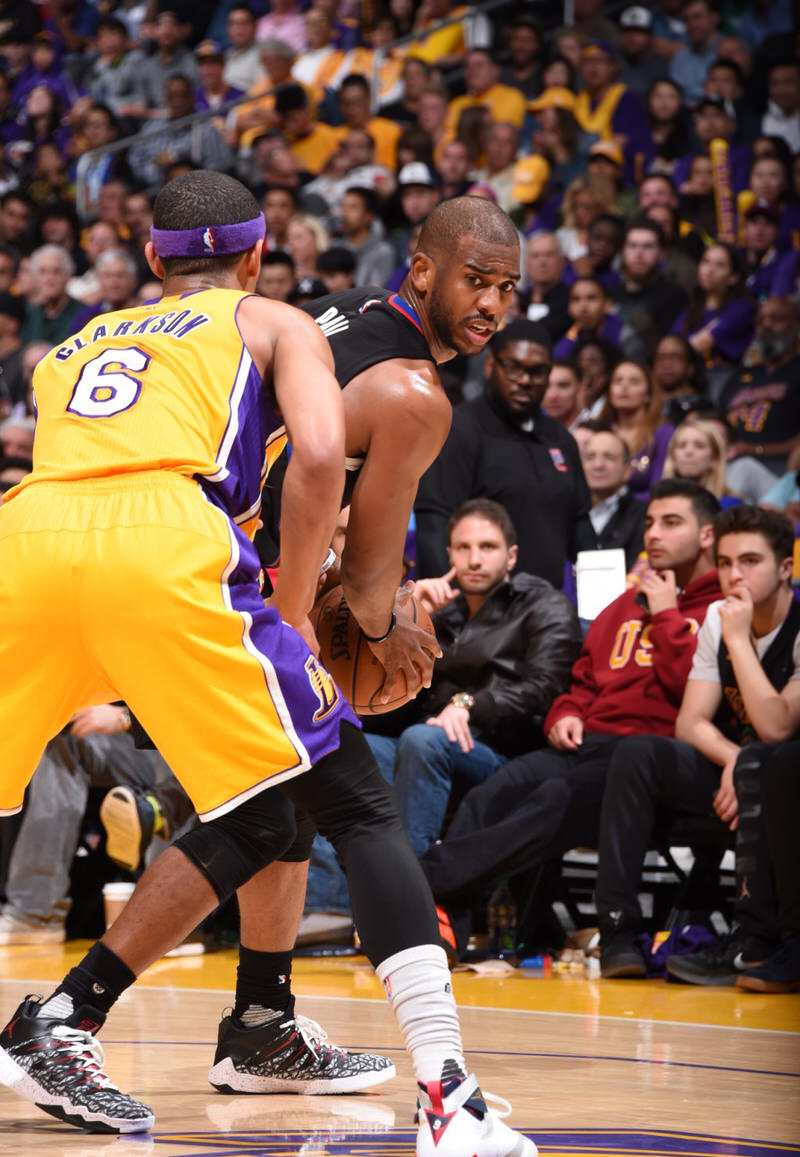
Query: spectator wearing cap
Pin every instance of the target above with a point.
(171, 58)
(501, 445)
(213, 92)
(355, 106)
(560, 141)
(419, 195)
(606, 107)
(525, 49)
(284, 21)
(499, 172)
(640, 65)
(606, 163)
(311, 142)
(689, 65)
(715, 119)
(363, 233)
(243, 64)
(782, 118)
(763, 263)
(12, 315)
(482, 80)
(305, 290)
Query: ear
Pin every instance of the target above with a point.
(422, 272)
(707, 536)
(154, 261)
(786, 569)
(250, 264)
(513, 555)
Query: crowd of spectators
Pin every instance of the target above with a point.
(649, 155)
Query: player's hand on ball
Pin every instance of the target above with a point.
(409, 651)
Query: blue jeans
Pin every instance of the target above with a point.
(426, 766)
(423, 764)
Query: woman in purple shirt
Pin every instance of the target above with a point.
(720, 318)
(633, 409)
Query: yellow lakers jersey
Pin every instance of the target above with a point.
(166, 386)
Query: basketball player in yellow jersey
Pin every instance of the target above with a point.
(156, 601)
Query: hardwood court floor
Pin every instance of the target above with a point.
(593, 1068)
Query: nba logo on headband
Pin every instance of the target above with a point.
(208, 240)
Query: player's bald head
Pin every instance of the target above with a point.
(451, 221)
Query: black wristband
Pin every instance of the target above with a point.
(382, 638)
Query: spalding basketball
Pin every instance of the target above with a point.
(347, 656)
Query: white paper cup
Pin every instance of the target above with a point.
(115, 897)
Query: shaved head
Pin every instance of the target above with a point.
(452, 221)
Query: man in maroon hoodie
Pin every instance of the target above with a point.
(628, 680)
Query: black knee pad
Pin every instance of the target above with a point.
(230, 849)
(300, 849)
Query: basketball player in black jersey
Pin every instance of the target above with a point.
(397, 417)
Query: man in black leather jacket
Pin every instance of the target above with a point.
(509, 642)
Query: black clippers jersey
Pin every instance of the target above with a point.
(366, 326)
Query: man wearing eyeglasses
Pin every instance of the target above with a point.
(502, 446)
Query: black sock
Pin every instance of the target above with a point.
(263, 981)
(99, 980)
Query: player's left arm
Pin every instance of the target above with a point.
(310, 402)
(404, 430)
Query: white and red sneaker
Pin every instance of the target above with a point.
(454, 1121)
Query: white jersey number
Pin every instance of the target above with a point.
(107, 384)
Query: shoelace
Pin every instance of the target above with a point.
(506, 1112)
(83, 1047)
(314, 1035)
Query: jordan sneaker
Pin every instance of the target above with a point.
(290, 1054)
(60, 1069)
(454, 1121)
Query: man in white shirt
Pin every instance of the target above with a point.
(741, 700)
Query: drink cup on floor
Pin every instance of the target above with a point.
(115, 897)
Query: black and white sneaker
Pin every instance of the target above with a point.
(719, 963)
(60, 1069)
(290, 1054)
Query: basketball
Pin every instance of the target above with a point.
(347, 656)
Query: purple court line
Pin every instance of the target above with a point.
(502, 1053)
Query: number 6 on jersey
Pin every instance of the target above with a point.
(104, 388)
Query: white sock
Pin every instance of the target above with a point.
(417, 982)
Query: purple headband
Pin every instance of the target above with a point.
(211, 241)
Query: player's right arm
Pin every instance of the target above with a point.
(310, 403)
(402, 417)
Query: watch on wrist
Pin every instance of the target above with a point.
(463, 699)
